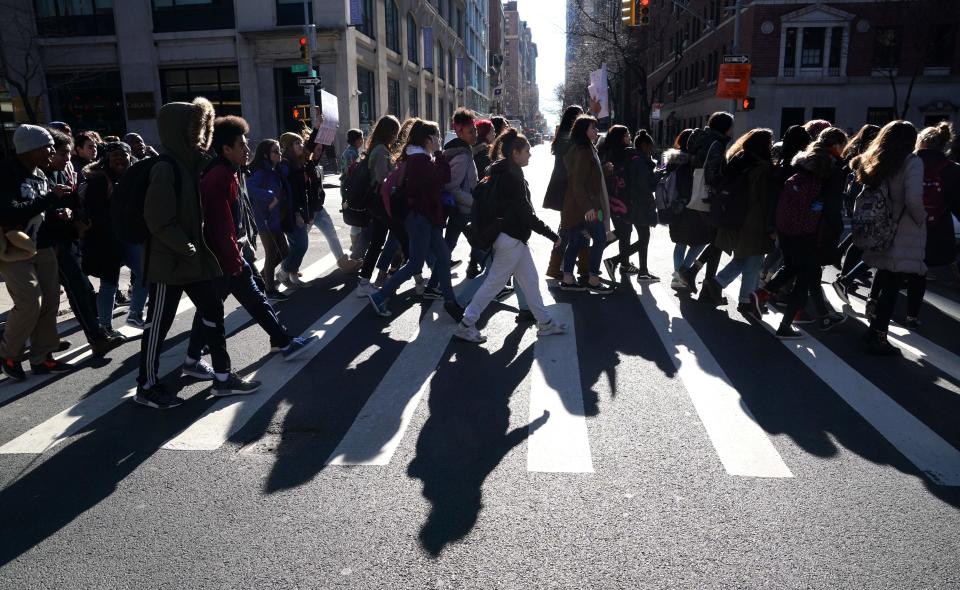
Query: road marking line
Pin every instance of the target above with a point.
(911, 342)
(562, 443)
(741, 444)
(52, 431)
(227, 416)
(377, 430)
(923, 447)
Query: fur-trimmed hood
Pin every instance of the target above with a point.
(818, 162)
(674, 157)
(186, 130)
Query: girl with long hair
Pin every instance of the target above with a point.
(585, 206)
(270, 197)
(688, 230)
(511, 254)
(553, 198)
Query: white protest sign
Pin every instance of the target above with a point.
(331, 118)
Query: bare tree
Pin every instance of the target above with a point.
(20, 64)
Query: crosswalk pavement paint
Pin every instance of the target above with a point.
(923, 447)
(742, 445)
(561, 444)
(61, 426)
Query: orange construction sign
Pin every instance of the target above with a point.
(734, 81)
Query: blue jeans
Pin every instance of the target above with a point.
(322, 220)
(108, 290)
(298, 241)
(599, 236)
(455, 226)
(749, 267)
(389, 251)
(684, 256)
(424, 238)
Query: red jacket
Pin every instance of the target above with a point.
(219, 196)
(423, 180)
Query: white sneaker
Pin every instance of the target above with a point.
(469, 334)
(678, 282)
(551, 328)
(365, 288)
(420, 285)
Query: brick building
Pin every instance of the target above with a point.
(833, 60)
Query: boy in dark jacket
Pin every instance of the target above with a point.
(177, 259)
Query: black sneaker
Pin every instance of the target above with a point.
(689, 277)
(432, 293)
(829, 322)
(629, 269)
(645, 276)
(601, 289)
(233, 385)
(13, 369)
(712, 293)
(454, 310)
(748, 311)
(156, 397)
(574, 286)
(50, 367)
(789, 333)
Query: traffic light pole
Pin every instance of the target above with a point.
(735, 46)
(309, 31)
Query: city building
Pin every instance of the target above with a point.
(109, 65)
(521, 95)
(850, 62)
(496, 50)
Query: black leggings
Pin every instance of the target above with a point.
(800, 260)
(623, 228)
(710, 257)
(378, 237)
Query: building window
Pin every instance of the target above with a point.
(88, 101)
(220, 85)
(367, 15)
(429, 99)
(825, 113)
(451, 69)
(811, 55)
(392, 23)
(886, 51)
(790, 52)
(192, 15)
(57, 18)
(836, 48)
(393, 97)
(441, 68)
(790, 116)
(290, 12)
(443, 120)
(880, 116)
(366, 99)
(942, 41)
(459, 23)
(413, 100)
(413, 40)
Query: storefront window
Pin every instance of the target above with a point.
(220, 85)
(88, 101)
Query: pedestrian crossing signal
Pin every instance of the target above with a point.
(304, 49)
(643, 16)
(301, 112)
(748, 104)
(628, 12)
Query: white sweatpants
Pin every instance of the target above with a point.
(510, 257)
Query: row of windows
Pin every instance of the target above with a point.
(95, 17)
(368, 102)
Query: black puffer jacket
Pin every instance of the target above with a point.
(514, 207)
(553, 199)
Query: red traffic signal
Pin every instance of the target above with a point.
(643, 14)
(304, 49)
(644, 2)
(748, 104)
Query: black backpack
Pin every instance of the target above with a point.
(355, 192)
(126, 201)
(728, 200)
(484, 223)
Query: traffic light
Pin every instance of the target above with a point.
(748, 104)
(304, 49)
(301, 112)
(628, 12)
(643, 17)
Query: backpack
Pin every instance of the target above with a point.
(127, 198)
(873, 226)
(484, 224)
(796, 213)
(934, 200)
(667, 195)
(728, 201)
(355, 192)
(393, 194)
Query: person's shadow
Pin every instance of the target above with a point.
(466, 436)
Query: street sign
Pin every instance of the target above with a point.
(734, 81)
(736, 59)
(302, 69)
(315, 81)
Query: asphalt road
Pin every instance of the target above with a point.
(661, 444)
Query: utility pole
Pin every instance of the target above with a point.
(735, 46)
(310, 32)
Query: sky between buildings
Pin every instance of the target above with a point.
(548, 23)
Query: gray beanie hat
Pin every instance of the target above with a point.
(30, 137)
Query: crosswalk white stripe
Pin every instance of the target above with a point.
(376, 432)
(741, 444)
(561, 444)
(945, 305)
(921, 446)
(227, 416)
(52, 431)
(908, 341)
